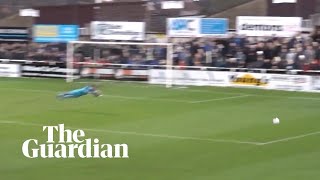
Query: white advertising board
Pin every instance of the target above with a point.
(10, 70)
(235, 79)
(268, 26)
(117, 30)
(290, 82)
(283, 1)
(316, 83)
(188, 77)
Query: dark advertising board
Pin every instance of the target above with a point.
(14, 34)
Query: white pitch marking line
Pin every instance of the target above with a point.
(132, 98)
(146, 98)
(146, 85)
(142, 134)
(305, 98)
(210, 91)
(219, 99)
(290, 138)
(28, 90)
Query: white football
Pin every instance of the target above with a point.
(276, 121)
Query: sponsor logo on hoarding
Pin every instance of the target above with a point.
(44, 69)
(13, 31)
(288, 87)
(259, 27)
(45, 31)
(248, 79)
(111, 29)
(183, 27)
(268, 26)
(55, 33)
(214, 26)
(290, 82)
(288, 78)
(117, 30)
(131, 73)
(188, 77)
(14, 34)
(182, 24)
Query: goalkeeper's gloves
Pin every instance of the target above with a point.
(96, 93)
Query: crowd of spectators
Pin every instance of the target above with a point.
(299, 52)
(122, 54)
(33, 51)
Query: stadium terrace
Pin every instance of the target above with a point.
(72, 147)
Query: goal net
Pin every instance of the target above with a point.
(87, 60)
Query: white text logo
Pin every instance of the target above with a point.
(71, 144)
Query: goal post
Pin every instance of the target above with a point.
(101, 54)
(69, 63)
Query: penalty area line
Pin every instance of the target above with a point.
(142, 134)
(291, 138)
(145, 98)
(219, 99)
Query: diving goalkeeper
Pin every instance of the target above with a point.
(80, 92)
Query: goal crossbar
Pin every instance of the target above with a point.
(120, 43)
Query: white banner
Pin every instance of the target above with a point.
(188, 77)
(268, 26)
(271, 81)
(283, 1)
(235, 79)
(10, 70)
(183, 27)
(290, 82)
(316, 83)
(117, 30)
(172, 5)
(46, 69)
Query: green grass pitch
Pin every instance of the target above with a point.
(197, 133)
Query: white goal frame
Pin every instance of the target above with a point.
(169, 57)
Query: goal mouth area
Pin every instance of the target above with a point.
(118, 60)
